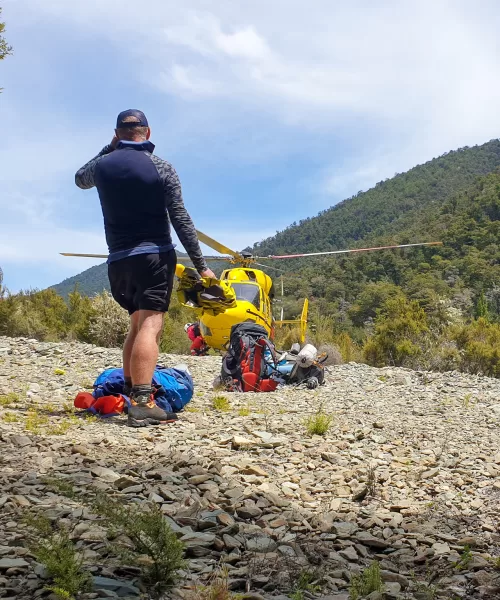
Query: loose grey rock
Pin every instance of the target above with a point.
(105, 474)
(344, 529)
(370, 540)
(21, 440)
(260, 544)
(12, 563)
(249, 512)
(440, 548)
(121, 588)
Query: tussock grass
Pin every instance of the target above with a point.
(319, 423)
(10, 417)
(217, 588)
(221, 403)
(305, 583)
(9, 399)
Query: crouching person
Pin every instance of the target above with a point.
(198, 345)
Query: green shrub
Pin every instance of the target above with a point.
(174, 339)
(479, 347)
(401, 333)
(349, 350)
(109, 322)
(150, 535)
(285, 337)
(54, 549)
(372, 298)
(367, 582)
(44, 315)
(36, 314)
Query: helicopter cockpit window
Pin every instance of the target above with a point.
(248, 292)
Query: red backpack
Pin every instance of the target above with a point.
(249, 359)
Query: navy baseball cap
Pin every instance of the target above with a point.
(131, 112)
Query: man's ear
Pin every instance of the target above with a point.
(148, 134)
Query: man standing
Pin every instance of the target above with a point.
(140, 195)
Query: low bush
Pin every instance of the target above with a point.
(52, 547)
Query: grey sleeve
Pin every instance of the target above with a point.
(178, 214)
(84, 177)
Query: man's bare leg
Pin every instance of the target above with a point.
(143, 410)
(127, 348)
(144, 354)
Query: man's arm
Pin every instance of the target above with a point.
(84, 177)
(178, 214)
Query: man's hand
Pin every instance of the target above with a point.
(208, 273)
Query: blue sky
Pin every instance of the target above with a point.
(269, 110)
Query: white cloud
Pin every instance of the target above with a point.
(422, 65)
(245, 43)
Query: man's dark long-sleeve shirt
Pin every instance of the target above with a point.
(140, 194)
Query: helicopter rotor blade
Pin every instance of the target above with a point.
(207, 258)
(84, 255)
(215, 245)
(355, 250)
(269, 267)
(179, 258)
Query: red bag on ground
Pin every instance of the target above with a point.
(106, 405)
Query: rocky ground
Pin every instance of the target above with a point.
(408, 475)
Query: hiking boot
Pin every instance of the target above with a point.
(143, 411)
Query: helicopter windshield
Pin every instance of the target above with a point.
(248, 292)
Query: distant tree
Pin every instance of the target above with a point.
(5, 49)
(3, 289)
(482, 307)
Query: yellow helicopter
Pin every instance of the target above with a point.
(253, 288)
(254, 291)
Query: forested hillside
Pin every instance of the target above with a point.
(388, 208)
(89, 282)
(465, 269)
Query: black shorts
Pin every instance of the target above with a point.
(143, 281)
